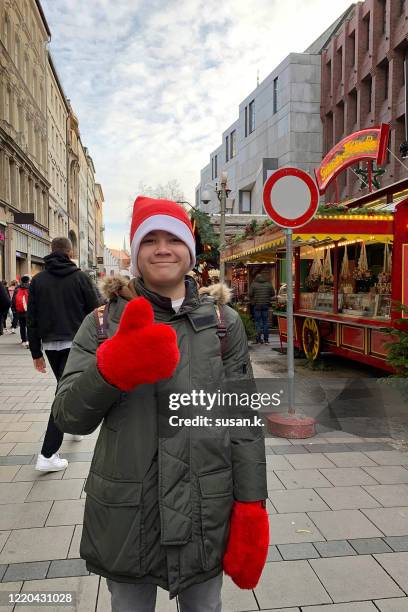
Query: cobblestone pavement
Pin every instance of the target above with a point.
(338, 506)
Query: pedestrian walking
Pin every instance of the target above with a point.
(59, 298)
(164, 508)
(4, 306)
(260, 293)
(19, 304)
(12, 313)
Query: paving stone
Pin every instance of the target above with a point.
(391, 521)
(388, 457)
(26, 448)
(2, 571)
(269, 450)
(329, 448)
(56, 490)
(351, 459)
(348, 579)
(344, 524)
(77, 456)
(335, 548)
(397, 543)
(28, 473)
(292, 528)
(66, 512)
(42, 544)
(356, 606)
(290, 583)
(75, 543)
(297, 500)
(344, 477)
(389, 495)
(26, 571)
(388, 474)
(67, 567)
(3, 538)
(369, 546)
(292, 552)
(14, 492)
(36, 416)
(24, 515)
(290, 450)
(5, 449)
(302, 479)
(78, 469)
(277, 462)
(16, 460)
(315, 460)
(84, 587)
(78, 446)
(370, 446)
(273, 481)
(277, 442)
(7, 472)
(347, 498)
(392, 605)
(396, 565)
(273, 554)
(21, 436)
(14, 426)
(233, 598)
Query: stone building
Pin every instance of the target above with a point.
(99, 227)
(278, 125)
(57, 116)
(363, 83)
(83, 207)
(90, 187)
(73, 180)
(116, 262)
(24, 186)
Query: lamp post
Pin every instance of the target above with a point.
(222, 192)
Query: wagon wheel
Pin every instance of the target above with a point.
(311, 339)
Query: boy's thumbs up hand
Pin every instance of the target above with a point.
(141, 352)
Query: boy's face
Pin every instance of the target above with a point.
(163, 258)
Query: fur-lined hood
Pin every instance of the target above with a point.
(112, 286)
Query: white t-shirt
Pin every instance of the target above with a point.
(176, 304)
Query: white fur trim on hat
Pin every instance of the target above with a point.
(166, 223)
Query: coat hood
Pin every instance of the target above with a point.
(220, 293)
(59, 264)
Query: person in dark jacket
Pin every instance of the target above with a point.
(165, 506)
(19, 305)
(260, 294)
(60, 297)
(5, 303)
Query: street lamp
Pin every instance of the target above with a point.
(222, 192)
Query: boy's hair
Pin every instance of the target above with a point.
(61, 244)
(25, 278)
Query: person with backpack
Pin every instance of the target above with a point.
(164, 507)
(4, 306)
(19, 305)
(260, 293)
(60, 297)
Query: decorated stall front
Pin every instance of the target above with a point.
(350, 272)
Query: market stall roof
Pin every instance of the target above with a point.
(323, 230)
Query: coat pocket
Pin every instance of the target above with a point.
(112, 531)
(216, 498)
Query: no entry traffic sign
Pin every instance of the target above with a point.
(290, 197)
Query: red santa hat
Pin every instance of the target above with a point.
(150, 214)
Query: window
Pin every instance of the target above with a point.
(215, 166)
(233, 144)
(369, 92)
(384, 15)
(17, 53)
(25, 70)
(6, 32)
(245, 201)
(402, 7)
(386, 79)
(367, 31)
(353, 48)
(275, 95)
(227, 148)
(339, 70)
(246, 121)
(8, 106)
(34, 85)
(251, 109)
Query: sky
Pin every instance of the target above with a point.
(154, 83)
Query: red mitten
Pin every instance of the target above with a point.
(141, 351)
(248, 543)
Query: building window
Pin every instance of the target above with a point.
(215, 166)
(339, 70)
(245, 202)
(369, 92)
(233, 144)
(246, 121)
(275, 95)
(366, 21)
(353, 48)
(402, 7)
(227, 148)
(251, 118)
(25, 70)
(6, 32)
(384, 15)
(34, 85)
(386, 79)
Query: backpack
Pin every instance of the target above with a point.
(21, 300)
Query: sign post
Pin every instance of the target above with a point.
(291, 199)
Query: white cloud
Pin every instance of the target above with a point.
(155, 84)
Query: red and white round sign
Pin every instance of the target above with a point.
(290, 197)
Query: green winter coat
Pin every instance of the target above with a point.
(261, 291)
(157, 508)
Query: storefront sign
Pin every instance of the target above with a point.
(34, 230)
(405, 277)
(368, 144)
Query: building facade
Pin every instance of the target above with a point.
(24, 185)
(116, 262)
(99, 227)
(73, 136)
(278, 125)
(363, 83)
(57, 117)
